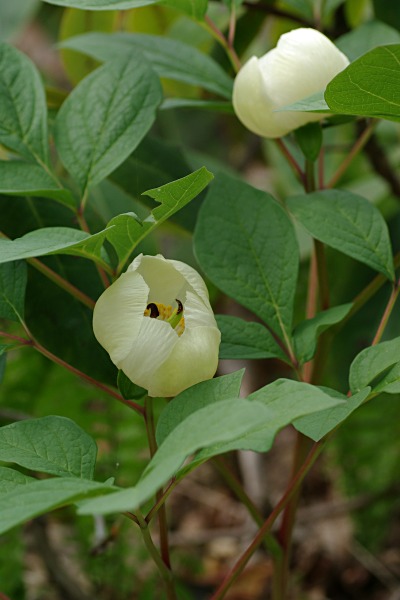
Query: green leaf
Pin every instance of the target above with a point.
(14, 15)
(197, 397)
(309, 138)
(314, 103)
(348, 223)
(54, 240)
(11, 480)
(215, 105)
(194, 8)
(305, 335)
(23, 179)
(246, 339)
(366, 37)
(219, 427)
(3, 359)
(102, 4)
(378, 366)
(317, 425)
(52, 444)
(246, 245)
(218, 422)
(388, 12)
(128, 389)
(23, 113)
(193, 66)
(105, 118)
(286, 401)
(370, 86)
(13, 280)
(44, 495)
(126, 231)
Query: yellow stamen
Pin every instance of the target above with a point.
(162, 312)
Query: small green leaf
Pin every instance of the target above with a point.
(23, 179)
(314, 103)
(126, 231)
(197, 397)
(378, 366)
(246, 339)
(23, 113)
(193, 67)
(246, 245)
(194, 8)
(13, 280)
(366, 37)
(309, 138)
(305, 336)
(54, 240)
(214, 105)
(317, 425)
(105, 118)
(41, 496)
(52, 444)
(370, 86)
(102, 4)
(11, 480)
(348, 223)
(128, 389)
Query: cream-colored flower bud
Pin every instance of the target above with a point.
(157, 325)
(302, 64)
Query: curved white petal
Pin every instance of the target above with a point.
(193, 359)
(118, 314)
(303, 63)
(164, 281)
(197, 313)
(192, 277)
(251, 102)
(149, 350)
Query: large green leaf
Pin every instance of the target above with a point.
(306, 334)
(23, 113)
(194, 8)
(218, 427)
(246, 245)
(53, 445)
(171, 59)
(347, 222)
(44, 495)
(25, 179)
(317, 425)
(370, 86)
(54, 240)
(378, 366)
(246, 339)
(366, 37)
(196, 397)
(126, 231)
(12, 290)
(11, 480)
(105, 117)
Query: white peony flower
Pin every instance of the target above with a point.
(302, 64)
(157, 325)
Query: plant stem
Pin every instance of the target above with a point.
(356, 149)
(221, 39)
(291, 160)
(293, 486)
(162, 515)
(386, 314)
(165, 572)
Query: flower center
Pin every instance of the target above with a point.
(162, 312)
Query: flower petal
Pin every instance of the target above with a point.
(193, 359)
(192, 277)
(164, 281)
(118, 315)
(197, 313)
(149, 350)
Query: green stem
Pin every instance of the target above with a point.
(257, 541)
(210, 26)
(356, 149)
(165, 572)
(162, 515)
(291, 160)
(386, 314)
